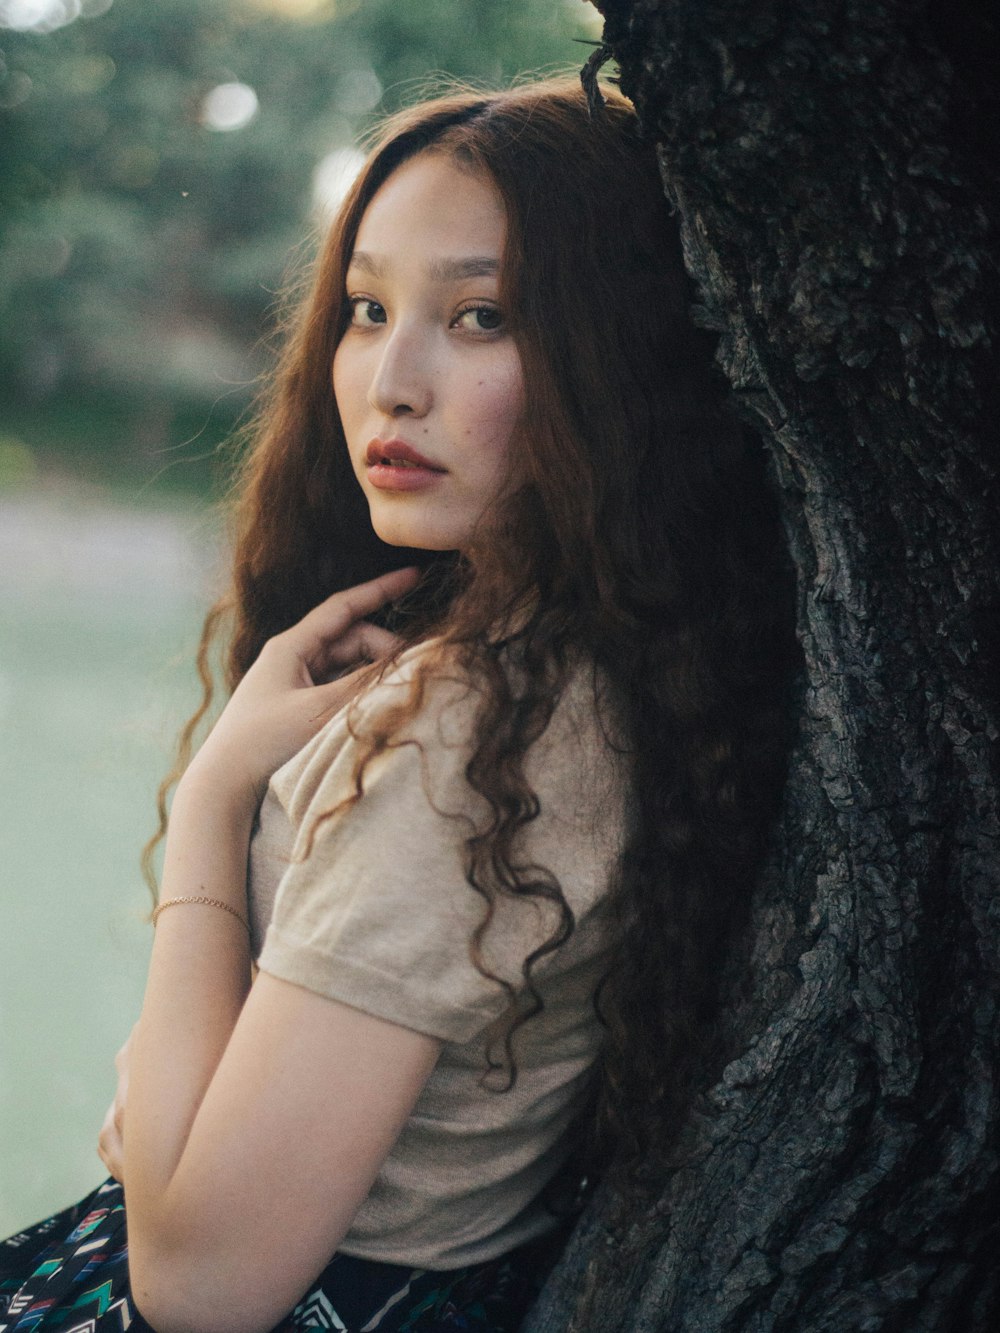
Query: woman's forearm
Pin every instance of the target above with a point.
(198, 980)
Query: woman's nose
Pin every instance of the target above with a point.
(401, 384)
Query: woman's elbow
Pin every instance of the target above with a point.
(171, 1300)
(169, 1316)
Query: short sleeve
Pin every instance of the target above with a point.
(379, 914)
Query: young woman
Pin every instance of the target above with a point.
(465, 842)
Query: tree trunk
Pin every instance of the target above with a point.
(834, 167)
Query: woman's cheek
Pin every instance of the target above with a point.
(501, 405)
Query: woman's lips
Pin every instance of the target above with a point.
(394, 465)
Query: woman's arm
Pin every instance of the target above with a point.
(256, 1122)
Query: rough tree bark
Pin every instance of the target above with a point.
(830, 163)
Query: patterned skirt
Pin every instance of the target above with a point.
(70, 1273)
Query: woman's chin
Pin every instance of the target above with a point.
(416, 536)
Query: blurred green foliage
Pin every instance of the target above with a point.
(142, 250)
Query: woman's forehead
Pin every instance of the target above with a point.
(436, 212)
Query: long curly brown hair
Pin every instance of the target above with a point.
(641, 538)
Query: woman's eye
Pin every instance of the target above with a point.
(479, 319)
(365, 313)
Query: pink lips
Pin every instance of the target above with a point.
(394, 465)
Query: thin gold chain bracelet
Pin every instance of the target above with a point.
(205, 902)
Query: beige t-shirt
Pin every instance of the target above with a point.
(380, 916)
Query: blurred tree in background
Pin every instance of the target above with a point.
(161, 162)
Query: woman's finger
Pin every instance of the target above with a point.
(110, 1146)
(375, 643)
(335, 616)
(362, 643)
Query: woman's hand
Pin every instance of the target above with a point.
(288, 693)
(111, 1140)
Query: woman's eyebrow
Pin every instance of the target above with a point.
(371, 265)
(440, 270)
(453, 270)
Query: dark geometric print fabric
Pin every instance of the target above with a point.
(70, 1273)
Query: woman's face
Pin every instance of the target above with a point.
(427, 379)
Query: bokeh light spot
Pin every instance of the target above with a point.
(38, 15)
(47, 15)
(358, 91)
(299, 9)
(333, 177)
(229, 106)
(15, 88)
(91, 73)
